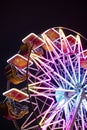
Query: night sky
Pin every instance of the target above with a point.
(19, 18)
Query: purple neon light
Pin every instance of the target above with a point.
(58, 70)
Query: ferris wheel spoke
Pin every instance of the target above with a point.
(74, 111)
(73, 70)
(54, 123)
(82, 117)
(26, 123)
(83, 80)
(65, 69)
(79, 50)
(66, 81)
(56, 74)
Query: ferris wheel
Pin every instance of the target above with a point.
(47, 81)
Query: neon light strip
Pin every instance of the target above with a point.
(61, 62)
(35, 57)
(44, 73)
(57, 73)
(56, 119)
(40, 94)
(73, 70)
(26, 123)
(67, 71)
(50, 43)
(79, 43)
(83, 80)
(40, 80)
(56, 122)
(82, 117)
(58, 109)
(64, 67)
(85, 86)
(50, 54)
(41, 57)
(15, 56)
(30, 115)
(16, 90)
(62, 35)
(84, 101)
(64, 80)
(53, 89)
(49, 120)
(66, 110)
(58, 85)
(76, 127)
(73, 114)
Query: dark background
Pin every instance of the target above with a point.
(19, 18)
